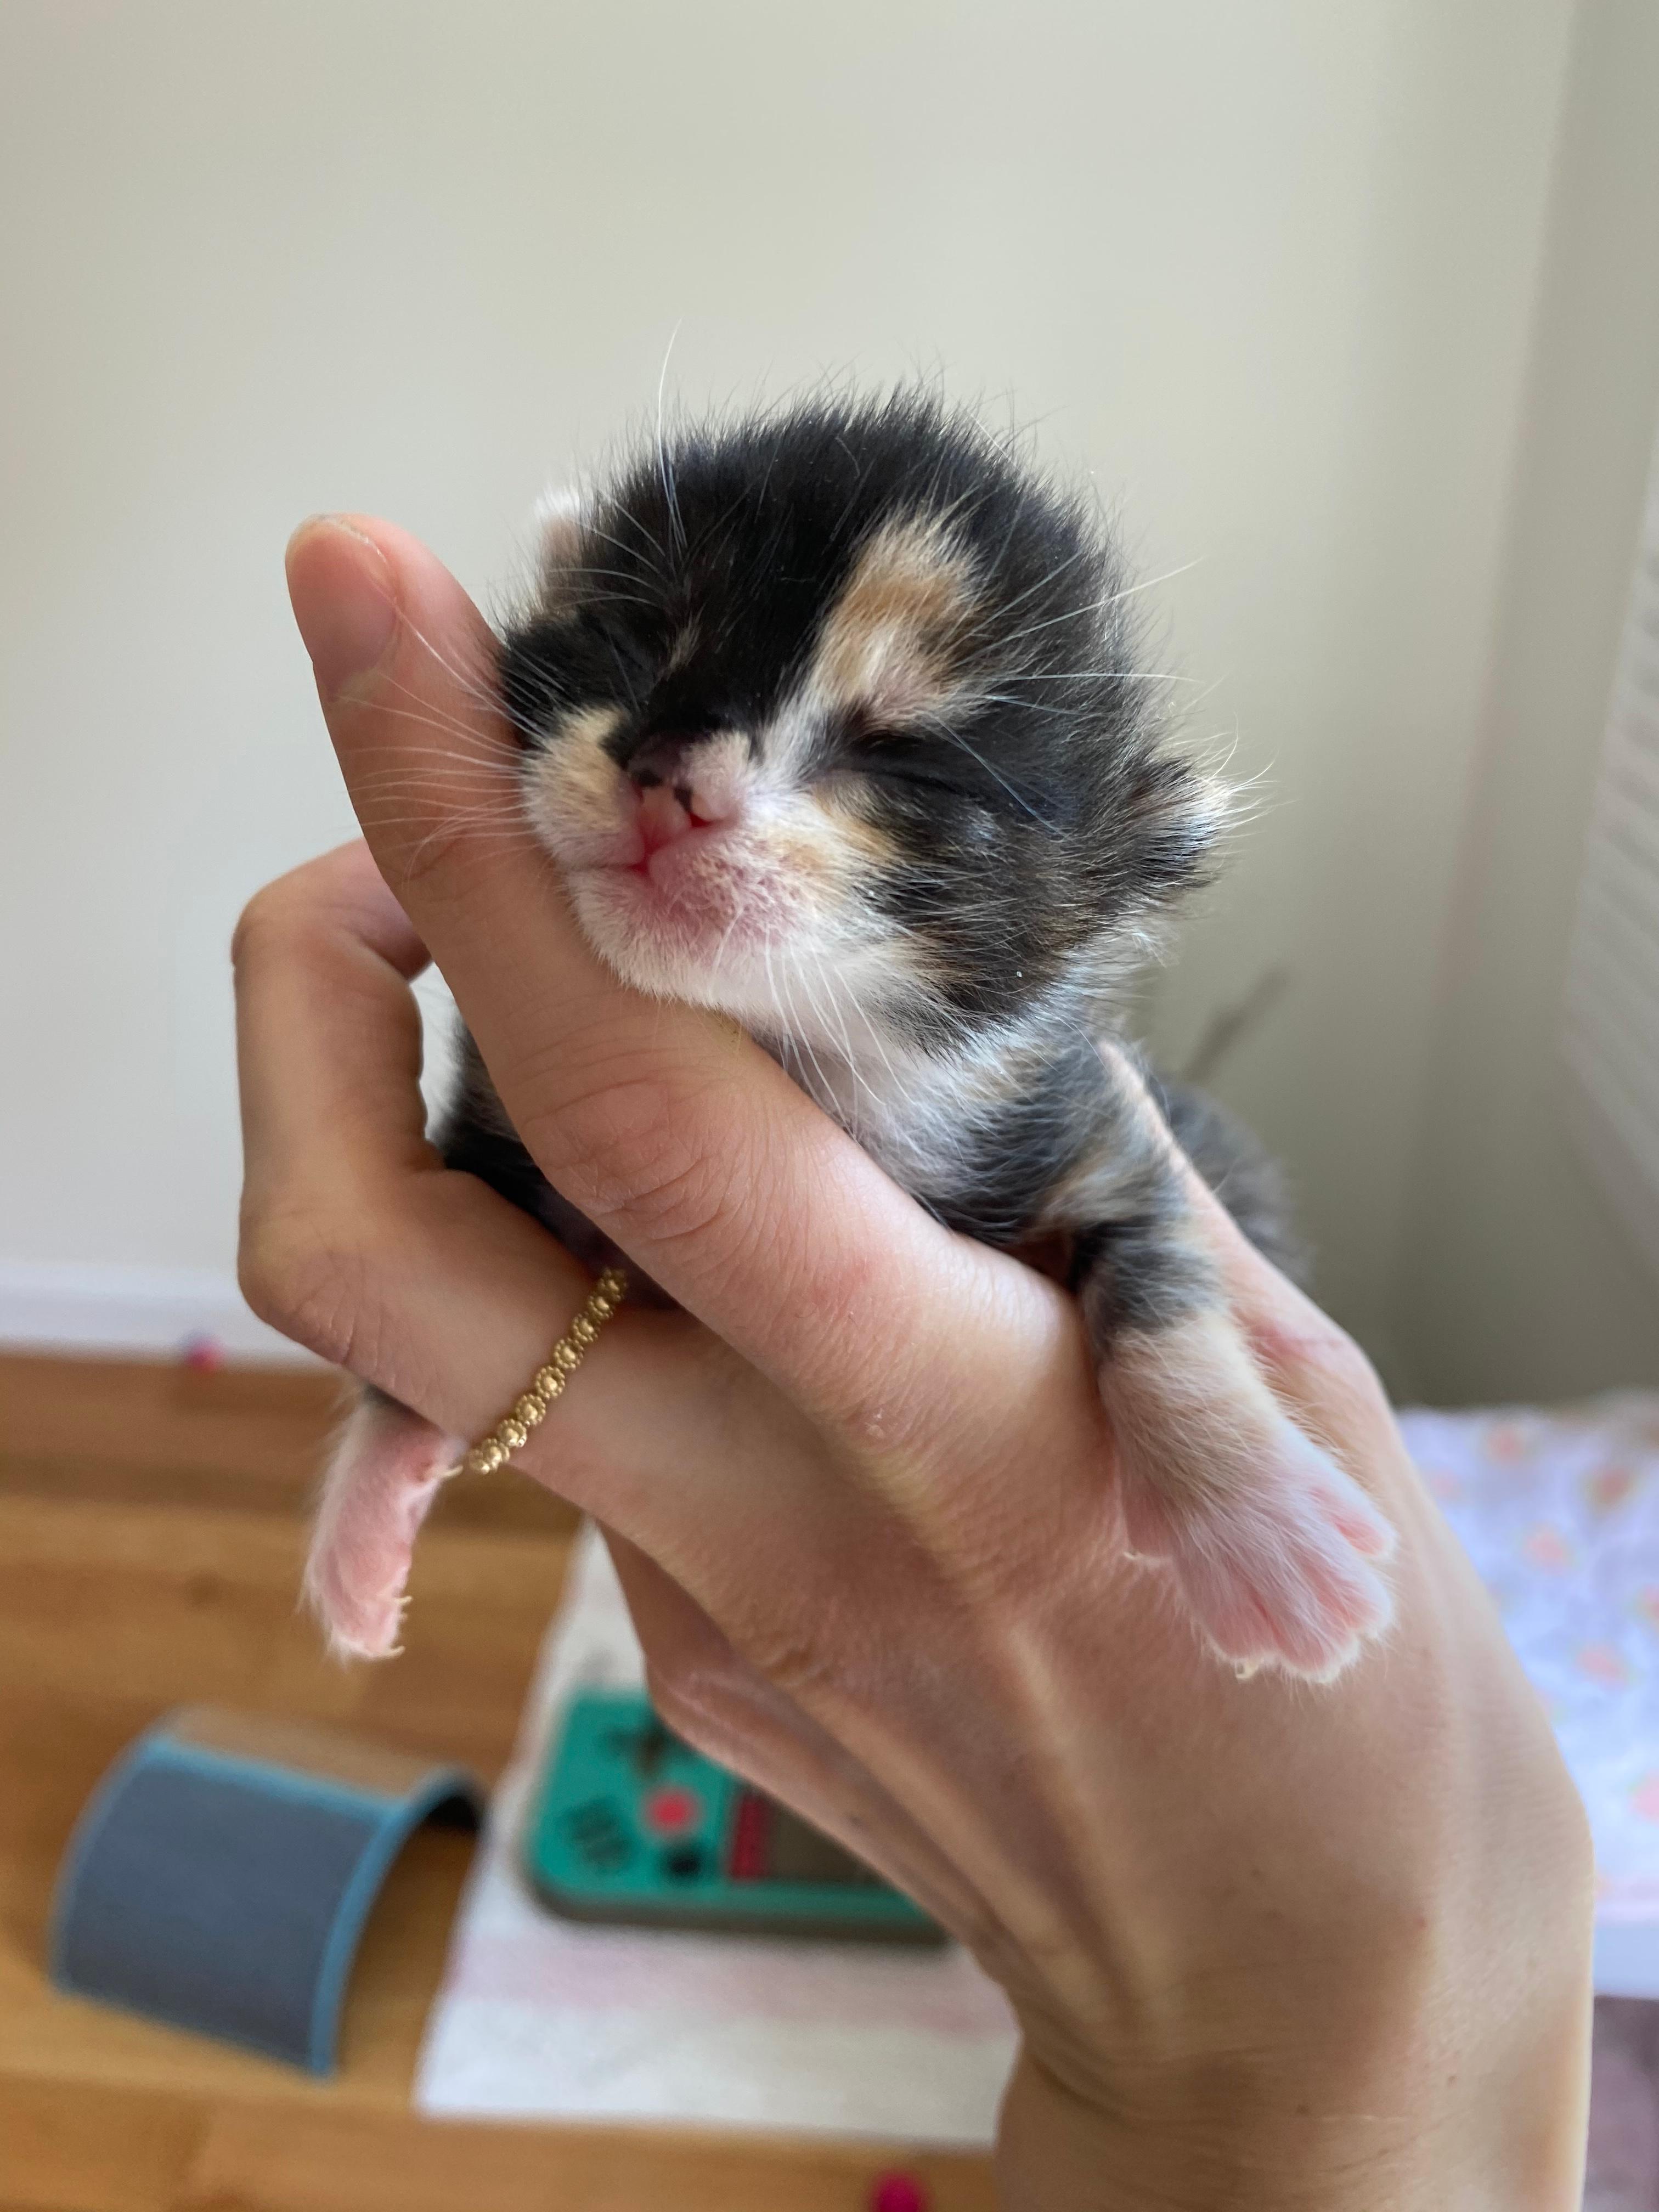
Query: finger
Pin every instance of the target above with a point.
(356, 1239)
(328, 1034)
(683, 1142)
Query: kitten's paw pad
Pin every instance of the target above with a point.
(1279, 1564)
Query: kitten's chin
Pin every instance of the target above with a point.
(755, 950)
(697, 948)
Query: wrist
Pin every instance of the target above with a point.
(1511, 2141)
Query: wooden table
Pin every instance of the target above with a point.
(151, 1529)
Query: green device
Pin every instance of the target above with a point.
(630, 1826)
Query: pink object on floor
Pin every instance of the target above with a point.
(897, 2193)
(202, 1354)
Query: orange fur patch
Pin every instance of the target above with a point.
(831, 855)
(850, 826)
(887, 646)
(576, 765)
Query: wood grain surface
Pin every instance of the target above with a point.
(151, 1529)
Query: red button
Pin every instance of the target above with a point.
(670, 1811)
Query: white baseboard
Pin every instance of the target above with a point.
(137, 1312)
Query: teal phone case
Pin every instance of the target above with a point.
(630, 1826)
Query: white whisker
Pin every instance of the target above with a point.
(675, 525)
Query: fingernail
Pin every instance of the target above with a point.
(346, 605)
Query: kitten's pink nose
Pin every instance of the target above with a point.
(662, 816)
(678, 785)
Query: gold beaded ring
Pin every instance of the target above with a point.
(527, 1413)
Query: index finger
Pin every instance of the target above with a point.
(344, 1010)
(676, 1134)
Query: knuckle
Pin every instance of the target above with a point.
(1350, 1373)
(809, 1644)
(266, 917)
(432, 847)
(717, 1703)
(642, 1156)
(985, 1550)
(308, 1283)
(1318, 1350)
(882, 1417)
(796, 1649)
(901, 1408)
(802, 1665)
(696, 1700)
(289, 912)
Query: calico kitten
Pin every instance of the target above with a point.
(832, 721)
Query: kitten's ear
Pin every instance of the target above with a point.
(1205, 810)
(1183, 811)
(560, 522)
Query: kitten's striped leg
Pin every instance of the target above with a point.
(1275, 1551)
(387, 1468)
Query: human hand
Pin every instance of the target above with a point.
(1268, 1945)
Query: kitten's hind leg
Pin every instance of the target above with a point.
(1274, 1550)
(386, 1469)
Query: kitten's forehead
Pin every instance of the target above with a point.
(835, 549)
(891, 639)
(878, 634)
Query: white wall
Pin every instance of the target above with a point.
(1515, 1279)
(1268, 271)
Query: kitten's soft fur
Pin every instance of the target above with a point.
(833, 719)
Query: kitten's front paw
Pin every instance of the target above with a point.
(1274, 1550)
(387, 1467)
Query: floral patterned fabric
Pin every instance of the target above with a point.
(1559, 1512)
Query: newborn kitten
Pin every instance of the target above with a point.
(831, 721)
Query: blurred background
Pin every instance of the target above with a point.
(1350, 314)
